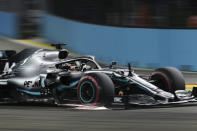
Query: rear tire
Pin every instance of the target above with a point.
(169, 79)
(95, 88)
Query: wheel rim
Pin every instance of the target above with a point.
(87, 92)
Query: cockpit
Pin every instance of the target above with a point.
(78, 65)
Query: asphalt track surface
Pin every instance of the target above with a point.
(52, 118)
(35, 118)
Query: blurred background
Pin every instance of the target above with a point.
(147, 33)
(129, 13)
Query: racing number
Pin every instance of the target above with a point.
(27, 83)
(31, 84)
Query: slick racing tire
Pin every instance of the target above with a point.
(169, 79)
(95, 89)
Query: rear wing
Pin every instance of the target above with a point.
(4, 58)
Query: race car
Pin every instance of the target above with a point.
(54, 76)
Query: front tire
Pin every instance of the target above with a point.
(95, 88)
(168, 79)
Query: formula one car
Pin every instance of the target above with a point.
(42, 75)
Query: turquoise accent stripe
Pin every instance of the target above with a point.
(62, 87)
(42, 83)
(30, 92)
(84, 101)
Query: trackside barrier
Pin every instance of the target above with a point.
(9, 24)
(140, 46)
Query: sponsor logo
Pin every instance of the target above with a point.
(118, 99)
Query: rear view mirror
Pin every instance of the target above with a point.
(113, 63)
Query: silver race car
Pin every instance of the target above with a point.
(42, 75)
